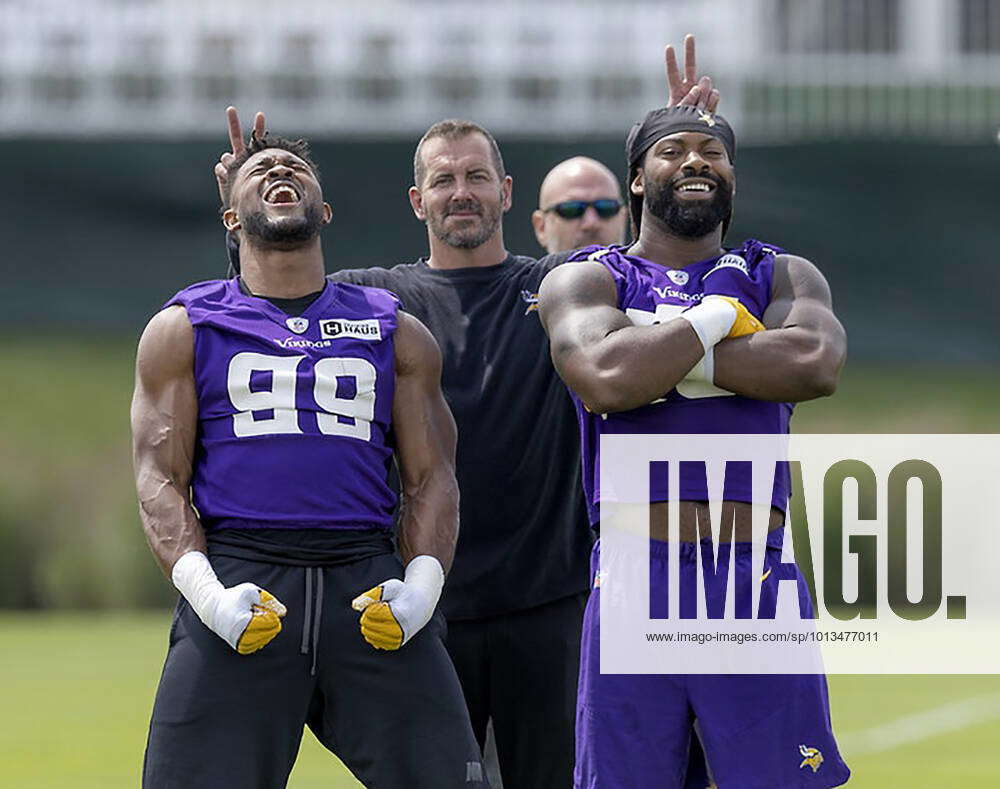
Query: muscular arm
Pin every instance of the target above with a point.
(425, 438)
(800, 356)
(609, 363)
(164, 421)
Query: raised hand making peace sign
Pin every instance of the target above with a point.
(688, 89)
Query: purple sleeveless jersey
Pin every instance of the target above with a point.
(650, 293)
(293, 413)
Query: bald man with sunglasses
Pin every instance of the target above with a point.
(580, 203)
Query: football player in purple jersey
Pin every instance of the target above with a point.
(267, 410)
(584, 206)
(677, 334)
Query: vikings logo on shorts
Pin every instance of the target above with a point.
(812, 758)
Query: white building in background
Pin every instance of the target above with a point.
(789, 69)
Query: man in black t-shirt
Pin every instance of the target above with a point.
(515, 596)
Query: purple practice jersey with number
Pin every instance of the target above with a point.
(293, 412)
(649, 293)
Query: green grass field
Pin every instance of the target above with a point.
(80, 688)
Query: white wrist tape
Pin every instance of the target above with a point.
(426, 574)
(711, 320)
(227, 612)
(196, 580)
(413, 600)
(704, 370)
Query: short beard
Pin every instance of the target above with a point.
(470, 237)
(691, 219)
(286, 233)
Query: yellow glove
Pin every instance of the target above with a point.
(379, 626)
(265, 623)
(244, 616)
(745, 322)
(717, 318)
(394, 611)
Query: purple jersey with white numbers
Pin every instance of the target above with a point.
(650, 293)
(293, 412)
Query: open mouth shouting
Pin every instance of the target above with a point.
(282, 193)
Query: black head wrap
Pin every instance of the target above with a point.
(660, 123)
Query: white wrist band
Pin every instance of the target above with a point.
(704, 370)
(196, 580)
(711, 320)
(425, 573)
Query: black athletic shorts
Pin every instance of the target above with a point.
(396, 719)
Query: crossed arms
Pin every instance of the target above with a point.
(613, 365)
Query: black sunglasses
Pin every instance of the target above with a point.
(574, 209)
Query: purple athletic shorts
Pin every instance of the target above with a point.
(765, 731)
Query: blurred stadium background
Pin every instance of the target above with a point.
(868, 134)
